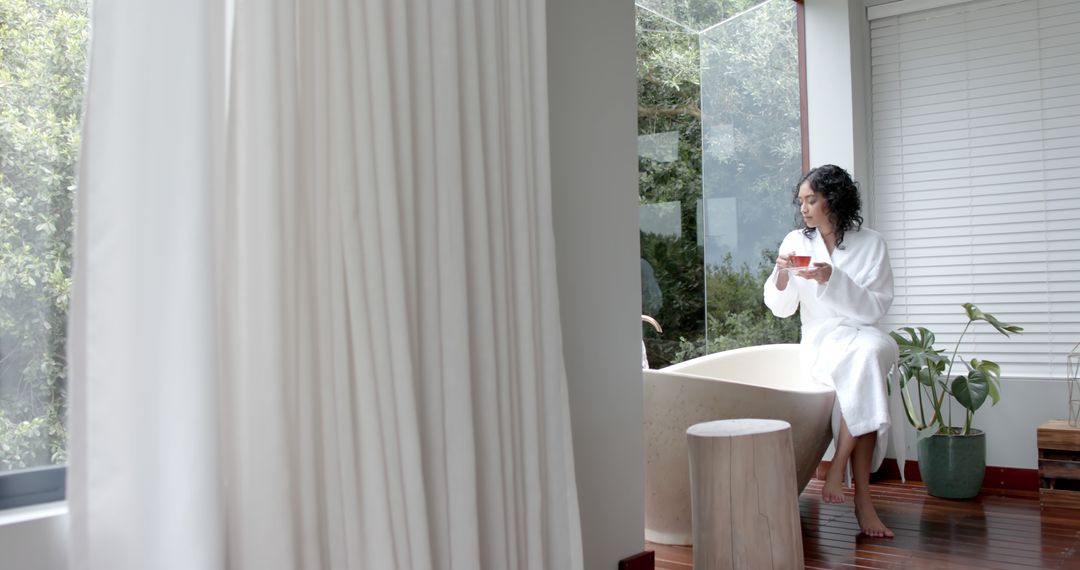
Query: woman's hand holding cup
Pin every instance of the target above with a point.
(819, 271)
(792, 261)
(783, 261)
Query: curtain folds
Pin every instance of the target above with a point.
(372, 370)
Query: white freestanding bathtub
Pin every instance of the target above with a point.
(755, 382)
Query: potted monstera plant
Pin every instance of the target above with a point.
(952, 454)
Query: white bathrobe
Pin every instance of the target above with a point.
(841, 346)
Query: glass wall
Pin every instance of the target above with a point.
(42, 71)
(719, 152)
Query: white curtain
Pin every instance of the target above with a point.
(315, 321)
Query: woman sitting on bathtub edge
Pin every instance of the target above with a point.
(842, 294)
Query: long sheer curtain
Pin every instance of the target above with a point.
(315, 321)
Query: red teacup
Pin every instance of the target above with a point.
(799, 260)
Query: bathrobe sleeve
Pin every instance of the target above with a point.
(862, 291)
(783, 303)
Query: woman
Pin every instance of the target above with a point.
(841, 295)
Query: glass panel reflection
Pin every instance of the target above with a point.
(719, 150)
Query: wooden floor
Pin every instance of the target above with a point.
(997, 530)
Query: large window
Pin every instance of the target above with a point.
(42, 71)
(976, 120)
(719, 153)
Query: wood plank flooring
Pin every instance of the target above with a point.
(998, 530)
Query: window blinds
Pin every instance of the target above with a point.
(976, 174)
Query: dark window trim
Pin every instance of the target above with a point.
(32, 486)
(804, 118)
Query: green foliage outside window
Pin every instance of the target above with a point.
(42, 72)
(729, 293)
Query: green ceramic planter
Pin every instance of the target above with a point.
(953, 466)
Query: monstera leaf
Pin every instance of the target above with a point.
(971, 389)
(918, 357)
(975, 314)
(992, 372)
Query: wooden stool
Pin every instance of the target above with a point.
(744, 496)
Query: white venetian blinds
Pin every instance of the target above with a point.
(976, 186)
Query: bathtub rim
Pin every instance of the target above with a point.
(805, 384)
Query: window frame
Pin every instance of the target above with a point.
(33, 486)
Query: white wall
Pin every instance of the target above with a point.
(593, 102)
(34, 538)
(1010, 426)
(837, 87)
(829, 84)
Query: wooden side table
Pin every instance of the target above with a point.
(744, 496)
(1059, 465)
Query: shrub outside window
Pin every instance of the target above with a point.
(719, 150)
(42, 74)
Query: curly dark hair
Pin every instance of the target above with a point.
(841, 194)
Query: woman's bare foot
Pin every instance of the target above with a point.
(832, 492)
(833, 489)
(869, 523)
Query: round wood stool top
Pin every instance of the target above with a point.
(735, 428)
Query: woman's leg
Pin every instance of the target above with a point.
(861, 452)
(860, 373)
(861, 457)
(833, 491)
